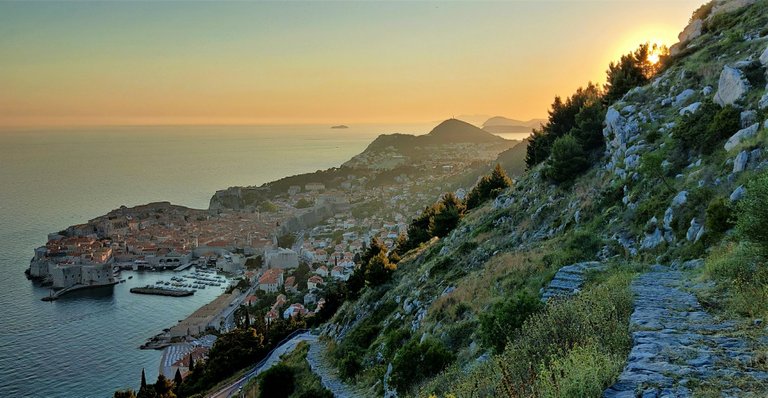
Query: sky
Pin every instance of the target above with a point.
(137, 62)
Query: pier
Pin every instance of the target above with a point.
(182, 267)
(159, 291)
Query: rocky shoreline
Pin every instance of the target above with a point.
(158, 291)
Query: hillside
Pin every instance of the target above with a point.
(657, 208)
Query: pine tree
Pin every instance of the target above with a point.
(143, 380)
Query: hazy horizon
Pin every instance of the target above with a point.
(265, 63)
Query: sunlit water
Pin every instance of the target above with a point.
(86, 344)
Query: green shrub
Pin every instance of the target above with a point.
(599, 316)
(488, 187)
(567, 160)
(416, 361)
(498, 325)
(743, 270)
(753, 212)
(704, 129)
(719, 216)
(585, 371)
(278, 382)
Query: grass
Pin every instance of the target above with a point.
(573, 348)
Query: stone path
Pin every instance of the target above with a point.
(569, 279)
(677, 344)
(329, 376)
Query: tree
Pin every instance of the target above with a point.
(567, 161)
(632, 70)
(652, 165)
(416, 361)
(277, 382)
(379, 270)
(177, 379)
(164, 387)
(304, 203)
(418, 229)
(448, 212)
(286, 241)
(488, 187)
(124, 394)
(143, 379)
(589, 126)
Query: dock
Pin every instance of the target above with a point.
(182, 267)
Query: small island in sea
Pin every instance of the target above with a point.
(340, 126)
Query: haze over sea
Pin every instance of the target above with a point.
(85, 345)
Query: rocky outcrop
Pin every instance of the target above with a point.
(675, 341)
(741, 135)
(764, 57)
(740, 163)
(569, 280)
(731, 86)
(619, 133)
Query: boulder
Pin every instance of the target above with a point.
(740, 136)
(763, 102)
(692, 31)
(680, 199)
(683, 97)
(721, 7)
(669, 215)
(748, 118)
(738, 193)
(632, 161)
(652, 240)
(707, 90)
(693, 231)
(740, 163)
(731, 86)
(764, 57)
(692, 108)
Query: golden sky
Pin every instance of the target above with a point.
(88, 63)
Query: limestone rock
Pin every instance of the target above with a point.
(683, 97)
(763, 102)
(764, 57)
(740, 163)
(652, 240)
(680, 199)
(692, 31)
(740, 136)
(694, 231)
(748, 118)
(707, 90)
(692, 108)
(669, 215)
(731, 86)
(738, 193)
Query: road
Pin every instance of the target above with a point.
(272, 359)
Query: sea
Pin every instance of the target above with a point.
(86, 344)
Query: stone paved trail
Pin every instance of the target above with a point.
(676, 344)
(328, 374)
(569, 279)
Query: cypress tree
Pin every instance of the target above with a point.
(177, 378)
(143, 380)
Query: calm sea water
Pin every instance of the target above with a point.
(85, 345)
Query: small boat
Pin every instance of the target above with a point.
(130, 277)
(122, 280)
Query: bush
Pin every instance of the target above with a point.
(416, 361)
(584, 371)
(743, 270)
(719, 216)
(488, 187)
(277, 382)
(498, 325)
(753, 212)
(567, 160)
(704, 129)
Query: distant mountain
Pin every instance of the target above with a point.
(456, 131)
(501, 125)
